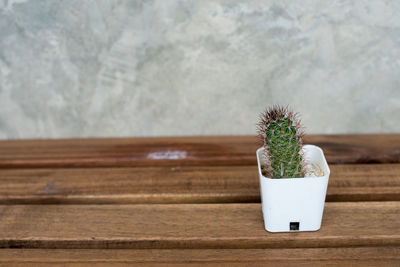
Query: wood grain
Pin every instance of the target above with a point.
(188, 184)
(153, 173)
(184, 151)
(191, 226)
(359, 256)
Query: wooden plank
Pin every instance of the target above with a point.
(179, 151)
(191, 226)
(189, 184)
(359, 256)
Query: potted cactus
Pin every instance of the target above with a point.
(293, 177)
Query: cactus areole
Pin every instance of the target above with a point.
(282, 135)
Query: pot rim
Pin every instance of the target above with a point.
(305, 147)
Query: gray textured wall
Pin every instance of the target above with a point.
(133, 68)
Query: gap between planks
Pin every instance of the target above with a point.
(356, 256)
(197, 184)
(191, 226)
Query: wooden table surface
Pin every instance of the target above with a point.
(189, 201)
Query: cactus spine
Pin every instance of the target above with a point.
(282, 136)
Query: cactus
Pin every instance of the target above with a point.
(282, 135)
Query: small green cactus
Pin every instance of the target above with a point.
(282, 135)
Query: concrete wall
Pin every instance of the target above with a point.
(78, 68)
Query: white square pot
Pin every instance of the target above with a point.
(294, 204)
